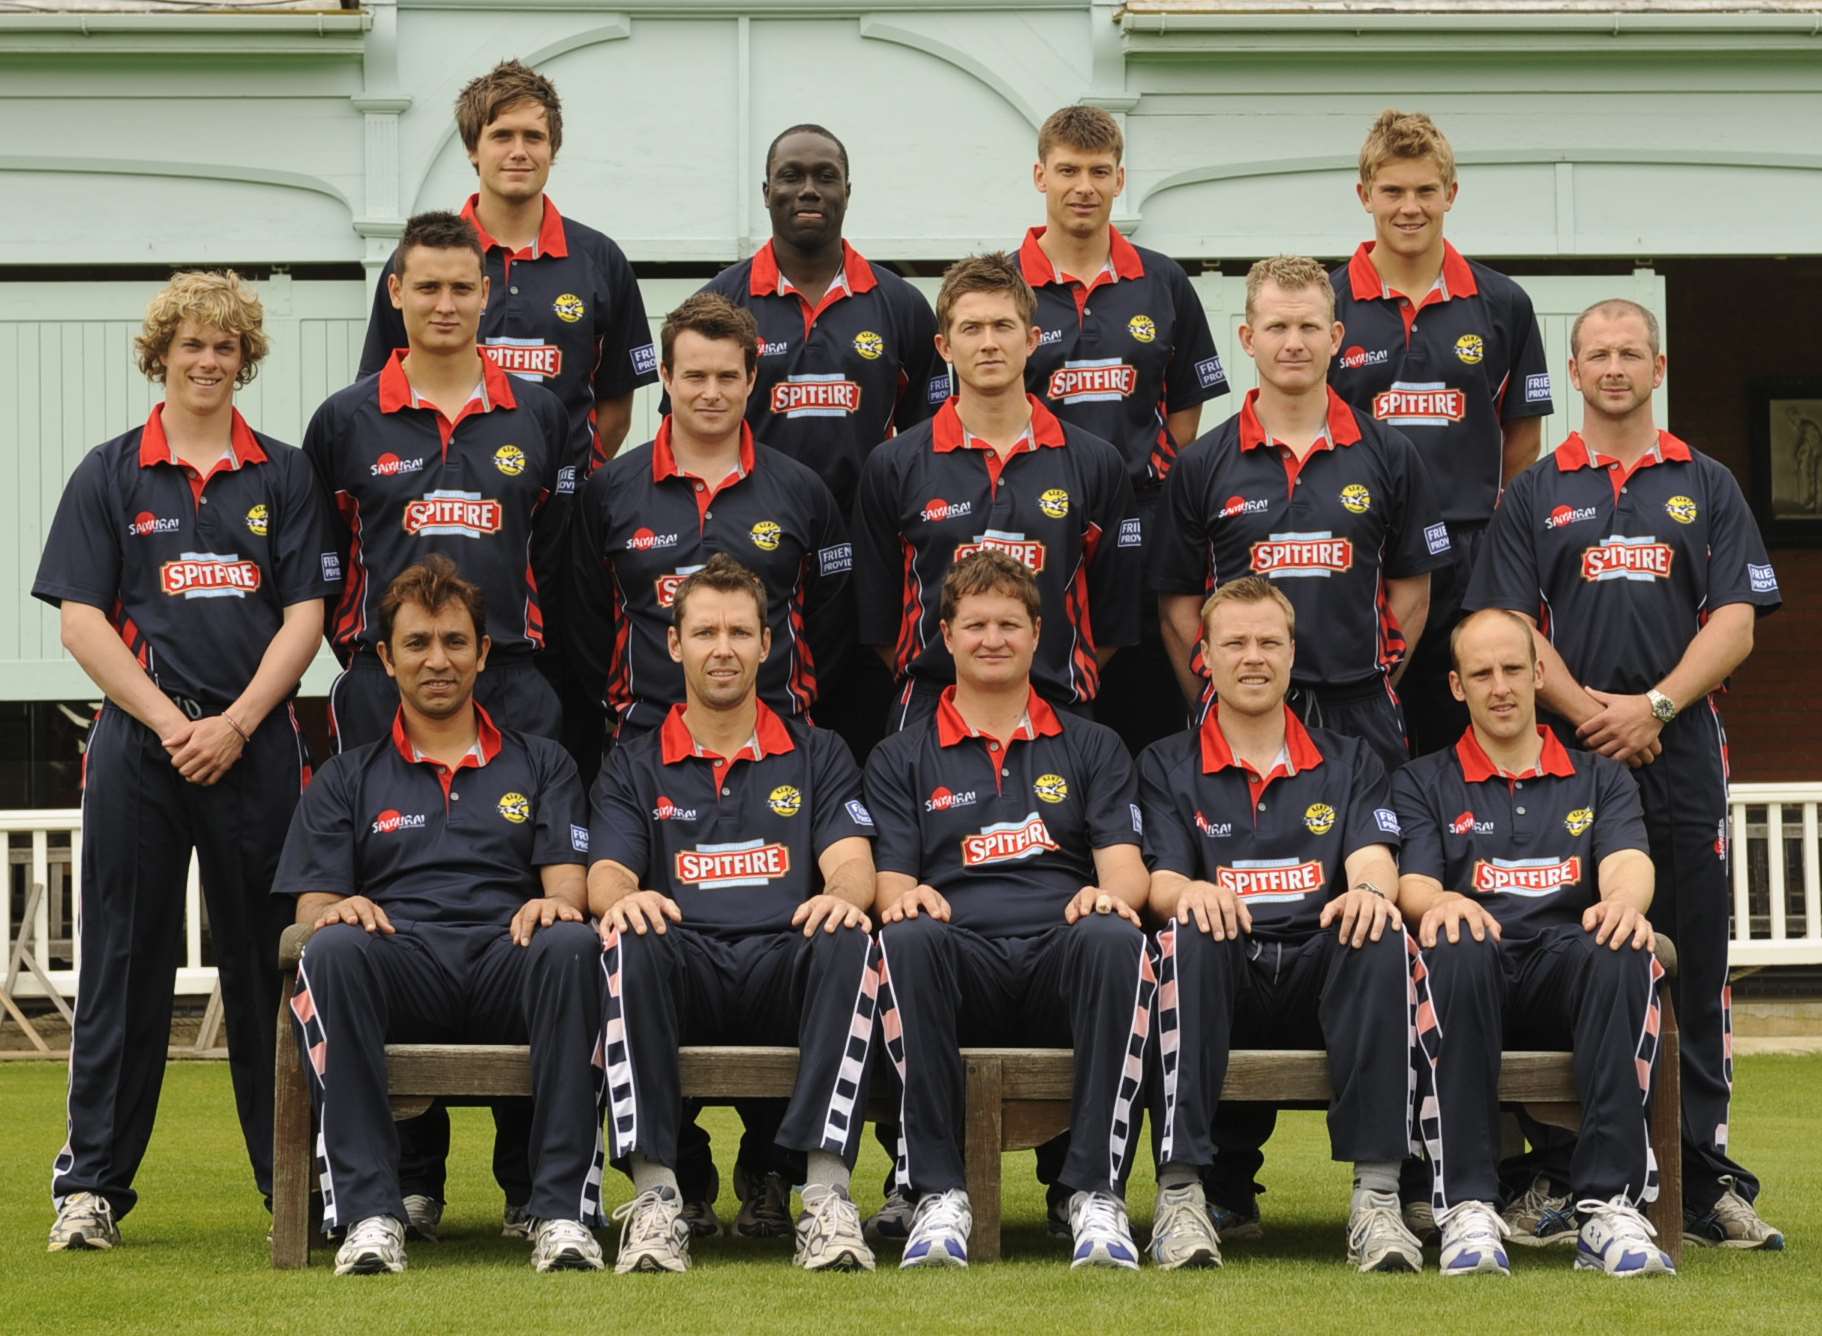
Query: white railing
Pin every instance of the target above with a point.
(1769, 927)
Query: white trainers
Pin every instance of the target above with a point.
(1420, 1218)
(1471, 1234)
(1541, 1218)
(374, 1246)
(516, 1222)
(1102, 1236)
(829, 1236)
(1182, 1235)
(1733, 1223)
(653, 1235)
(564, 1245)
(891, 1223)
(1618, 1240)
(939, 1231)
(423, 1217)
(1377, 1237)
(85, 1222)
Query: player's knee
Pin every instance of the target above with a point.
(1466, 961)
(1108, 936)
(919, 937)
(845, 946)
(335, 948)
(565, 944)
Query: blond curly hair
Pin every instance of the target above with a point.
(219, 299)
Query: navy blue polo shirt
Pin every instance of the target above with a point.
(1280, 841)
(408, 481)
(1621, 569)
(1527, 847)
(564, 312)
(430, 844)
(645, 524)
(733, 840)
(1120, 351)
(1448, 369)
(1059, 502)
(841, 372)
(1005, 830)
(194, 570)
(1328, 532)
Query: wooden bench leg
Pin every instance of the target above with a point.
(292, 1155)
(1665, 1122)
(984, 1087)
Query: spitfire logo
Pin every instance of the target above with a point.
(1353, 359)
(784, 800)
(1030, 551)
(1356, 499)
(390, 465)
(1239, 505)
(869, 345)
(720, 867)
(515, 807)
(1465, 824)
(1007, 842)
(1642, 559)
(389, 821)
(1054, 502)
(815, 396)
(945, 800)
(1051, 788)
(644, 540)
(1293, 556)
(1579, 820)
(666, 810)
(1099, 380)
(1270, 881)
(938, 510)
(1320, 818)
(145, 522)
(527, 359)
(510, 460)
(1681, 509)
(1470, 349)
(1533, 877)
(1142, 328)
(1563, 516)
(209, 575)
(457, 514)
(766, 535)
(668, 584)
(259, 521)
(1215, 830)
(569, 308)
(1420, 404)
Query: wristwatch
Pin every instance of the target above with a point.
(1663, 709)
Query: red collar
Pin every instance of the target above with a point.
(396, 391)
(1343, 426)
(1218, 756)
(155, 446)
(952, 729)
(679, 744)
(550, 241)
(487, 741)
(664, 462)
(1038, 270)
(1573, 453)
(1368, 285)
(854, 267)
(1477, 767)
(947, 432)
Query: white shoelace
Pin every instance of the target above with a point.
(1177, 1211)
(1379, 1217)
(948, 1212)
(1476, 1221)
(640, 1219)
(376, 1231)
(1621, 1218)
(1101, 1213)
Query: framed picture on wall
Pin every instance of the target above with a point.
(1784, 430)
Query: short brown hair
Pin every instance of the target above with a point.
(1406, 136)
(1249, 589)
(507, 84)
(995, 272)
(438, 230)
(432, 584)
(989, 572)
(713, 317)
(1090, 129)
(1462, 626)
(1615, 308)
(212, 298)
(722, 574)
(1293, 273)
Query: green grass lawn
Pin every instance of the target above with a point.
(194, 1257)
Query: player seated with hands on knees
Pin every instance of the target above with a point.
(733, 869)
(1009, 886)
(1526, 877)
(1271, 854)
(441, 867)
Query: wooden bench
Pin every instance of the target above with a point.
(1015, 1099)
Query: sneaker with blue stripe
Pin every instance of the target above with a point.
(939, 1231)
(1618, 1240)
(1471, 1235)
(1102, 1236)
